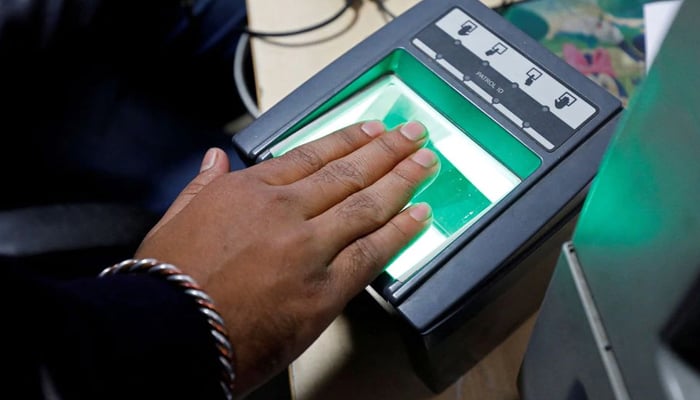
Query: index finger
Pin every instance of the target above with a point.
(309, 158)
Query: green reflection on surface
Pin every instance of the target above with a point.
(471, 179)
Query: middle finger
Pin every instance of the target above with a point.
(347, 175)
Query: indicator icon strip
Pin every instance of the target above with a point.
(481, 93)
(515, 67)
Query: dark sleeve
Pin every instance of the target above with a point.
(31, 26)
(121, 337)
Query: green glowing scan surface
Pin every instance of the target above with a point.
(471, 180)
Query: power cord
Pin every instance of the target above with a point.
(239, 78)
(381, 5)
(321, 24)
(242, 48)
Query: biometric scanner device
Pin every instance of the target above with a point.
(519, 135)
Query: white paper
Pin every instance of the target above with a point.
(658, 17)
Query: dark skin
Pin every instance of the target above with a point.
(284, 245)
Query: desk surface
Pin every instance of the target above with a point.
(282, 64)
(360, 355)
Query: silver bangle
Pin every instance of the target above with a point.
(205, 305)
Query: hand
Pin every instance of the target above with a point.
(282, 246)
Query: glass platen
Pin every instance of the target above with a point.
(470, 180)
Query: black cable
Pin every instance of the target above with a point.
(382, 7)
(346, 7)
(242, 48)
(506, 4)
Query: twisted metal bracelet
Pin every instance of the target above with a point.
(206, 306)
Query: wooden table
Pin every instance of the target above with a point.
(360, 355)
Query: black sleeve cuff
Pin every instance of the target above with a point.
(127, 336)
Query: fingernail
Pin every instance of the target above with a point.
(413, 131)
(425, 158)
(209, 160)
(420, 212)
(373, 128)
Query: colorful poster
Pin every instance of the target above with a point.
(603, 39)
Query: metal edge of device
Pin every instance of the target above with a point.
(468, 272)
(595, 322)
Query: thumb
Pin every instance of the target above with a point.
(214, 164)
